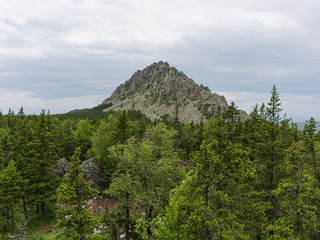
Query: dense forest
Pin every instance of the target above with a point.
(221, 179)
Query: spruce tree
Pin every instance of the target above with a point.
(123, 128)
(298, 198)
(309, 139)
(67, 143)
(271, 149)
(73, 193)
(273, 109)
(211, 202)
(262, 111)
(41, 160)
(11, 184)
(232, 114)
(270, 157)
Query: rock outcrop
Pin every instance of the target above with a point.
(93, 171)
(62, 167)
(160, 91)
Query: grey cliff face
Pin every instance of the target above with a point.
(160, 90)
(62, 167)
(93, 171)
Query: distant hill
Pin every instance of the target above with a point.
(301, 125)
(160, 91)
(77, 110)
(90, 113)
(99, 113)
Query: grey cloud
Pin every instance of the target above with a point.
(78, 49)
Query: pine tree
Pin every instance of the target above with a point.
(309, 137)
(21, 113)
(11, 184)
(232, 114)
(73, 194)
(8, 141)
(23, 137)
(123, 128)
(297, 194)
(199, 135)
(272, 132)
(273, 109)
(271, 152)
(2, 154)
(262, 111)
(67, 143)
(41, 160)
(210, 203)
(251, 135)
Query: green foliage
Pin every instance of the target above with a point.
(11, 190)
(102, 140)
(165, 118)
(252, 179)
(123, 127)
(208, 115)
(273, 109)
(11, 184)
(208, 205)
(73, 193)
(154, 101)
(232, 114)
(92, 113)
(41, 159)
(309, 140)
(82, 135)
(37, 222)
(297, 193)
(146, 172)
(166, 101)
(67, 143)
(7, 143)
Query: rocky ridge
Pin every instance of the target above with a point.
(161, 91)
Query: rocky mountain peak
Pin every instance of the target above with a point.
(161, 91)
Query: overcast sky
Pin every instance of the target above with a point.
(61, 55)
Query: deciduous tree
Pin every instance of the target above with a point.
(151, 168)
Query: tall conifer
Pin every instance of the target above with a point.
(11, 184)
(309, 134)
(42, 181)
(73, 194)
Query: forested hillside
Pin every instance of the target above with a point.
(224, 179)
